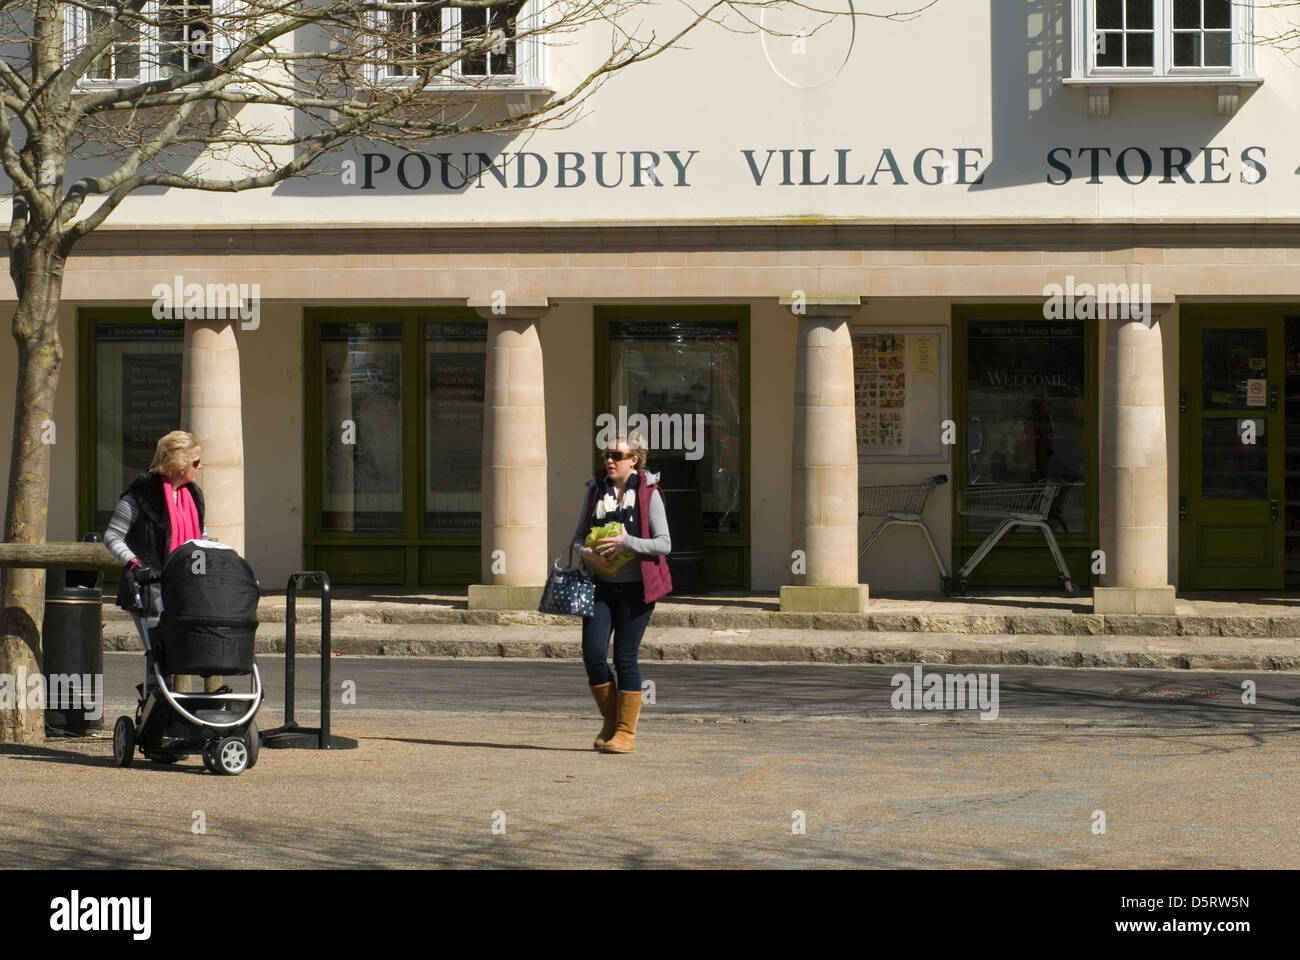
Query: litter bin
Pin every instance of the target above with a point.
(72, 650)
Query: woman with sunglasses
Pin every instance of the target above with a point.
(626, 593)
(158, 512)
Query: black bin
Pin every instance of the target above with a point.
(72, 651)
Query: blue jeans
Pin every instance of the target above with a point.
(622, 610)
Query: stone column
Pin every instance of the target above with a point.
(211, 410)
(824, 508)
(514, 562)
(1134, 474)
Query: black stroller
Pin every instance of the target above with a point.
(205, 625)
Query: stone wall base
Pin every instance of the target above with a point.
(495, 597)
(1133, 600)
(852, 599)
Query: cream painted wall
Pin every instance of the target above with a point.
(270, 359)
(900, 561)
(978, 75)
(62, 519)
(773, 344)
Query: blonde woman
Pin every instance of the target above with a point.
(158, 512)
(625, 597)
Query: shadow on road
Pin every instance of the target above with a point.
(475, 743)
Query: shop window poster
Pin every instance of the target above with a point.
(900, 393)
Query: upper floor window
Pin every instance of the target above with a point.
(1163, 39)
(410, 37)
(167, 38)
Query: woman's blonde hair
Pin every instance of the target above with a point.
(172, 455)
(636, 443)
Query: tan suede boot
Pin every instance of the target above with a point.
(606, 695)
(629, 709)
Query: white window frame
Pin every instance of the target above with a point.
(1084, 71)
(76, 26)
(528, 57)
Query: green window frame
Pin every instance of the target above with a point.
(410, 556)
(87, 403)
(1021, 559)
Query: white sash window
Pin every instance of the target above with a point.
(168, 38)
(409, 37)
(1170, 42)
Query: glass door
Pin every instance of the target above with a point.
(1233, 442)
(393, 446)
(684, 371)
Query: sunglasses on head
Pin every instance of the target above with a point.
(618, 455)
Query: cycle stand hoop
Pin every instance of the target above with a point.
(292, 736)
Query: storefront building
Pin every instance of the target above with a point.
(1036, 258)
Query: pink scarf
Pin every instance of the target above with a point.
(183, 515)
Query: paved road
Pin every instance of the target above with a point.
(488, 764)
(1159, 698)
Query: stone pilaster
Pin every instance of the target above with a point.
(212, 410)
(1134, 474)
(514, 564)
(824, 511)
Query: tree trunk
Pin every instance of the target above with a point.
(36, 329)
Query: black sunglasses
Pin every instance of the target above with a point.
(618, 455)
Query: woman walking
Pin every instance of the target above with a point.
(631, 573)
(159, 511)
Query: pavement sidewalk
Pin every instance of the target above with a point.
(1221, 632)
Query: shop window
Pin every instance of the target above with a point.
(393, 445)
(1027, 402)
(684, 378)
(133, 387)
(361, 426)
(455, 359)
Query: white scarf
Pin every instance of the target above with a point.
(609, 504)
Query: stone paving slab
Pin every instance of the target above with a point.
(785, 645)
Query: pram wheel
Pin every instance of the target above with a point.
(123, 742)
(1071, 590)
(228, 756)
(947, 586)
(254, 738)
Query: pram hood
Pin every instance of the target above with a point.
(209, 610)
(205, 581)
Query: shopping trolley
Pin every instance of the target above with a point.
(902, 503)
(1013, 505)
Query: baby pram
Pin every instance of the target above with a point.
(204, 626)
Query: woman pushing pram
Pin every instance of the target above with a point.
(194, 602)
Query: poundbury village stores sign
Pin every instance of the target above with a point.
(794, 166)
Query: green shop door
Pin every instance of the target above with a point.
(685, 369)
(1233, 442)
(393, 448)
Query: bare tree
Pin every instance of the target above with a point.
(231, 95)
